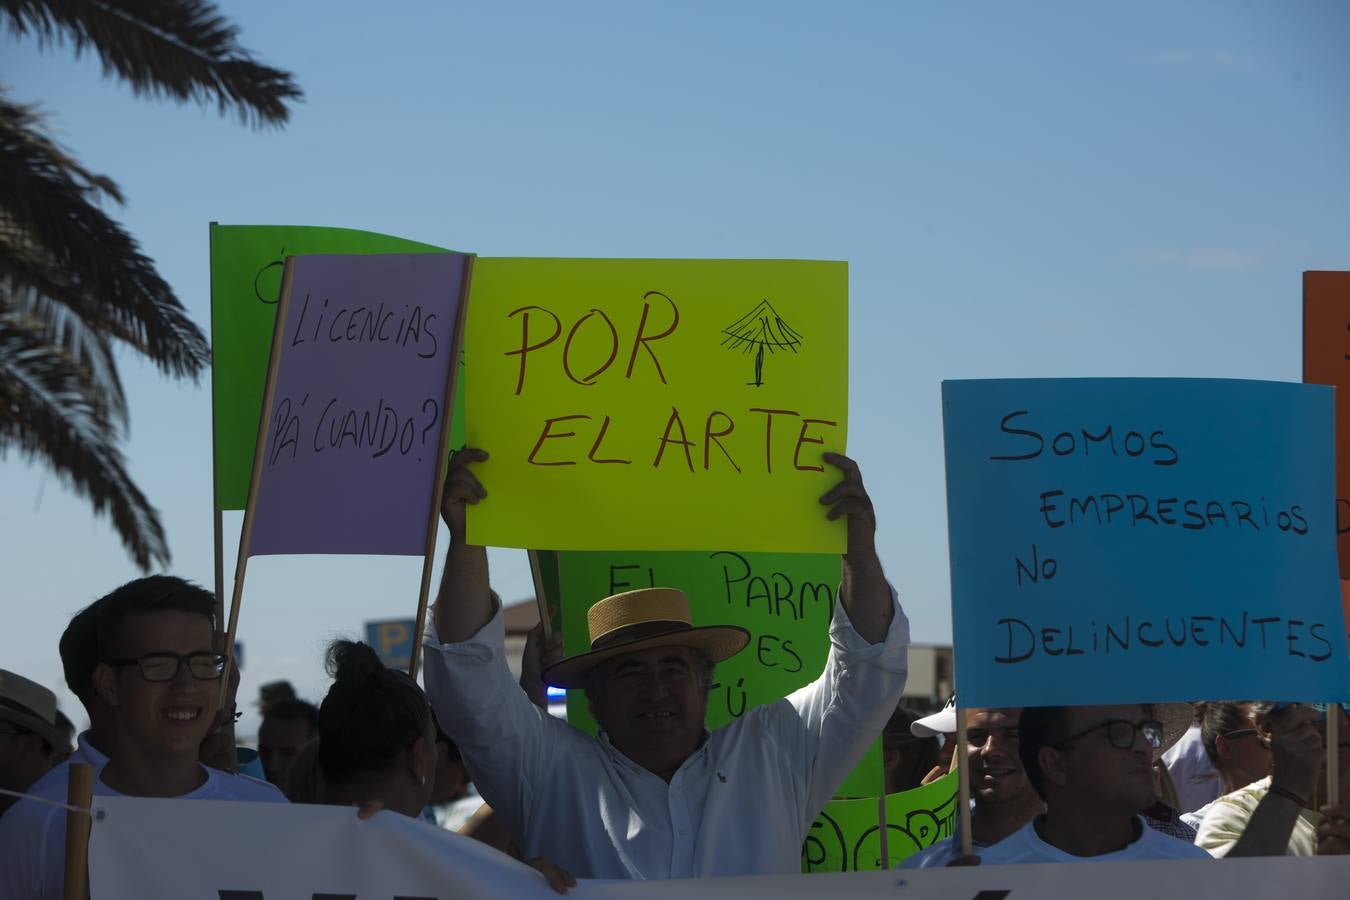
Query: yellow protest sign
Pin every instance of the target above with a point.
(657, 404)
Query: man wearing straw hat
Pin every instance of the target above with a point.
(31, 741)
(656, 795)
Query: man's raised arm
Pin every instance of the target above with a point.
(464, 602)
(862, 588)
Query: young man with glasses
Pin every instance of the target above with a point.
(160, 676)
(1093, 767)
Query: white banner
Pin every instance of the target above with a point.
(217, 850)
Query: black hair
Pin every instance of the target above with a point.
(292, 710)
(79, 652)
(156, 593)
(1040, 726)
(1220, 718)
(918, 755)
(443, 738)
(370, 715)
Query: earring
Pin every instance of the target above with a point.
(421, 780)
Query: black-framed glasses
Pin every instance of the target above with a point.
(203, 666)
(1120, 733)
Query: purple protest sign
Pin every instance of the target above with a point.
(357, 409)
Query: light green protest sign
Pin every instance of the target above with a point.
(846, 836)
(246, 265)
(785, 601)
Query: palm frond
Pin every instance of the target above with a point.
(183, 49)
(89, 349)
(46, 414)
(54, 239)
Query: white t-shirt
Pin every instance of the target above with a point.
(85, 752)
(1193, 775)
(1026, 846)
(1227, 818)
(33, 834)
(941, 853)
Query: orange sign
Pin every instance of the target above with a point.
(1326, 360)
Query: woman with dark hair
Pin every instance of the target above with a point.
(377, 742)
(1280, 814)
(1230, 734)
(906, 759)
(377, 737)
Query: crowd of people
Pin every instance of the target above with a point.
(654, 794)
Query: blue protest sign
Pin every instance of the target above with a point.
(1139, 540)
(392, 640)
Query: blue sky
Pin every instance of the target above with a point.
(1032, 189)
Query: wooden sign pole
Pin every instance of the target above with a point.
(962, 782)
(438, 489)
(540, 599)
(884, 842)
(1333, 753)
(79, 794)
(264, 428)
(218, 525)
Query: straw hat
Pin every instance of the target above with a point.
(30, 706)
(1176, 719)
(640, 620)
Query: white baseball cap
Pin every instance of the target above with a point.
(940, 723)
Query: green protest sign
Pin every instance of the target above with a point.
(246, 265)
(785, 601)
(846, 836)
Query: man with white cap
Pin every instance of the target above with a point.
(1002, 798)
(31, 740)
(656, 795)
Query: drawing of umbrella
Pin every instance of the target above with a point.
(758, 329)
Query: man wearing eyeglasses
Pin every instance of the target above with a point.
(1092, 765)
(160, 676)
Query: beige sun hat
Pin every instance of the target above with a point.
(30, 706)
(1176, 719)
(640, 620)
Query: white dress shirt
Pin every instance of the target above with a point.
(1193, 775)
(739, 805)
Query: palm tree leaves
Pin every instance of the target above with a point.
(54, 238)
(47, 411)
(172, 48)
(72, 280)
